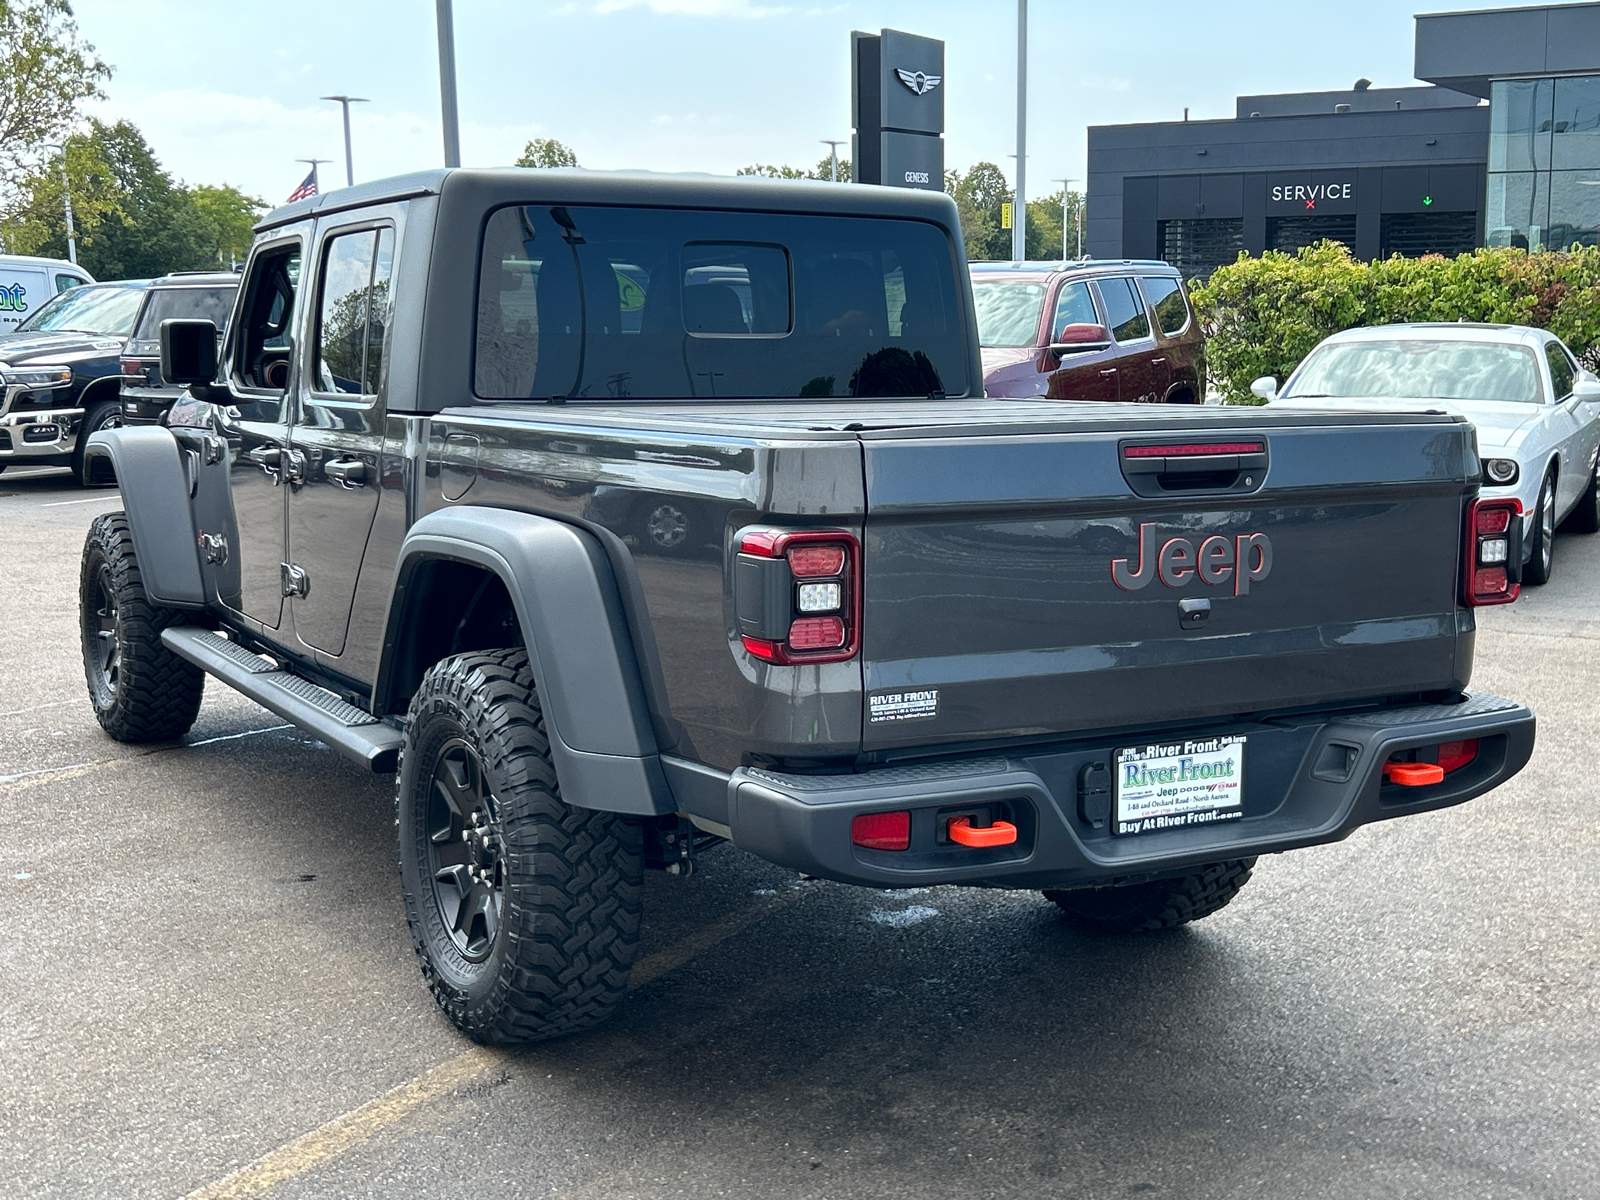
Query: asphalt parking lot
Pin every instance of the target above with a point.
(207, 989)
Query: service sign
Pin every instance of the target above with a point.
(1179, 785)
(1311, 192)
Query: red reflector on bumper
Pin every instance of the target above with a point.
(882, 831)
(1455, 755)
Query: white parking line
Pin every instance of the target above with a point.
(17, 712)
(85, 500)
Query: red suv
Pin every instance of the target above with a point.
(1089, 331)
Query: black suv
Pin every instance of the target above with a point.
(183, 295)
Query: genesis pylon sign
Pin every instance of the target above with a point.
(897, 107)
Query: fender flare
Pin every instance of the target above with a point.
(578, 640)
(155, 496)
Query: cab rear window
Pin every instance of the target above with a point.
(591, 302)
(185, 303)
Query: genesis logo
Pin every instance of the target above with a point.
(1218, 561)
(918, 82)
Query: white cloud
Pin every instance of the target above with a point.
(695, 8)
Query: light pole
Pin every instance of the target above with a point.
(1019, 220)
(1066, 185)
(66, 193)
(345, 102)
(833, 156)
(447, 84)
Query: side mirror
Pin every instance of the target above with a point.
(1266, 387)
(1587, 388)
(1076, 339)
(188, 352)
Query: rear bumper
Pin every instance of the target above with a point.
(1308, 780)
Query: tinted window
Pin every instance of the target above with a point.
(89, 310)
(1562, 375)
(67, 282)
(1008, 311)
(677, 304)
(1074, 306)
(262, 345)
(183, 304)
(1415, 369)
(352, 311)
(1165, 295)
(1125, 315)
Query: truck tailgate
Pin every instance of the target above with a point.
(992, 607)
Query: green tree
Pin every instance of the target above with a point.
(825, 167)
(46, 72)
(133, 219)
(769, 171)
(547, 152)
(978, 195)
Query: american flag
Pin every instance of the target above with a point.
(308, 187)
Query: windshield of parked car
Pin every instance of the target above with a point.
(108, 310)
(1419, 369)
(1008, 311)
(591, 302)
(183, 304)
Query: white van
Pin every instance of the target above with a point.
(27, 282)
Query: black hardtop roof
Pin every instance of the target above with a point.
(577, 186)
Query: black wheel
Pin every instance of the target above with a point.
(1586, 517)
(666, 526)
(1542, 557)
(524, 911)
(105, 415)
(1159, 904)
(141, 691)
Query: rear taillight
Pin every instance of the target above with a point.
(797, 595)
(1492, 552)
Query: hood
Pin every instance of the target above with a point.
(1499, 423)
(66, 346)
(995, 357)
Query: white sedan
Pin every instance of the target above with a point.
(1536, 410)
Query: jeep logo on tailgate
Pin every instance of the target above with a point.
(1244, 560)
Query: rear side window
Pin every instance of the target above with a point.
(183, 304)
(1165, 295)
(1562, 376)
(603, 302)
(1074, 306)
(67, 282)
(352, 312)
(1125, 315)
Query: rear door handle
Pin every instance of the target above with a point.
(1156, 362)
(1108, 373)
(351, 474)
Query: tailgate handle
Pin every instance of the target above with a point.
(1190, 466)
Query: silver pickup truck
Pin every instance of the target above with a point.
(623, 514)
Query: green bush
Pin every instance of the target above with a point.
(1263, 315)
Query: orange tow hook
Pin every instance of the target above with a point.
(1413, 774)
(1001, 833)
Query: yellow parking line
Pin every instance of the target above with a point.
(346, 1132)
(354, 1127)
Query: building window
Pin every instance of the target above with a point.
(1289, 234)
(1544, 162)
(1198, 247)
(1412, 235)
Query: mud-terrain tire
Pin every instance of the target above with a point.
(96, 472)
(1157, 904)
(140, 690)
(524, 911)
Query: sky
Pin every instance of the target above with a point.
(228, 92)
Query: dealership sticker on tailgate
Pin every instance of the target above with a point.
(1179, 784)
(902, 706)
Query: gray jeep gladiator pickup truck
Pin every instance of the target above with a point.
(912, 637)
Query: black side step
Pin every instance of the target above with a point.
(355, 733)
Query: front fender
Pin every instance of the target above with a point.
(155, 495)
(579, 645)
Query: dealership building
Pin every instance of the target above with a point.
(1501, 148)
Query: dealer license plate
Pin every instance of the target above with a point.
(1179, 784)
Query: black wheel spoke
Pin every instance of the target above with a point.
(464, 851)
